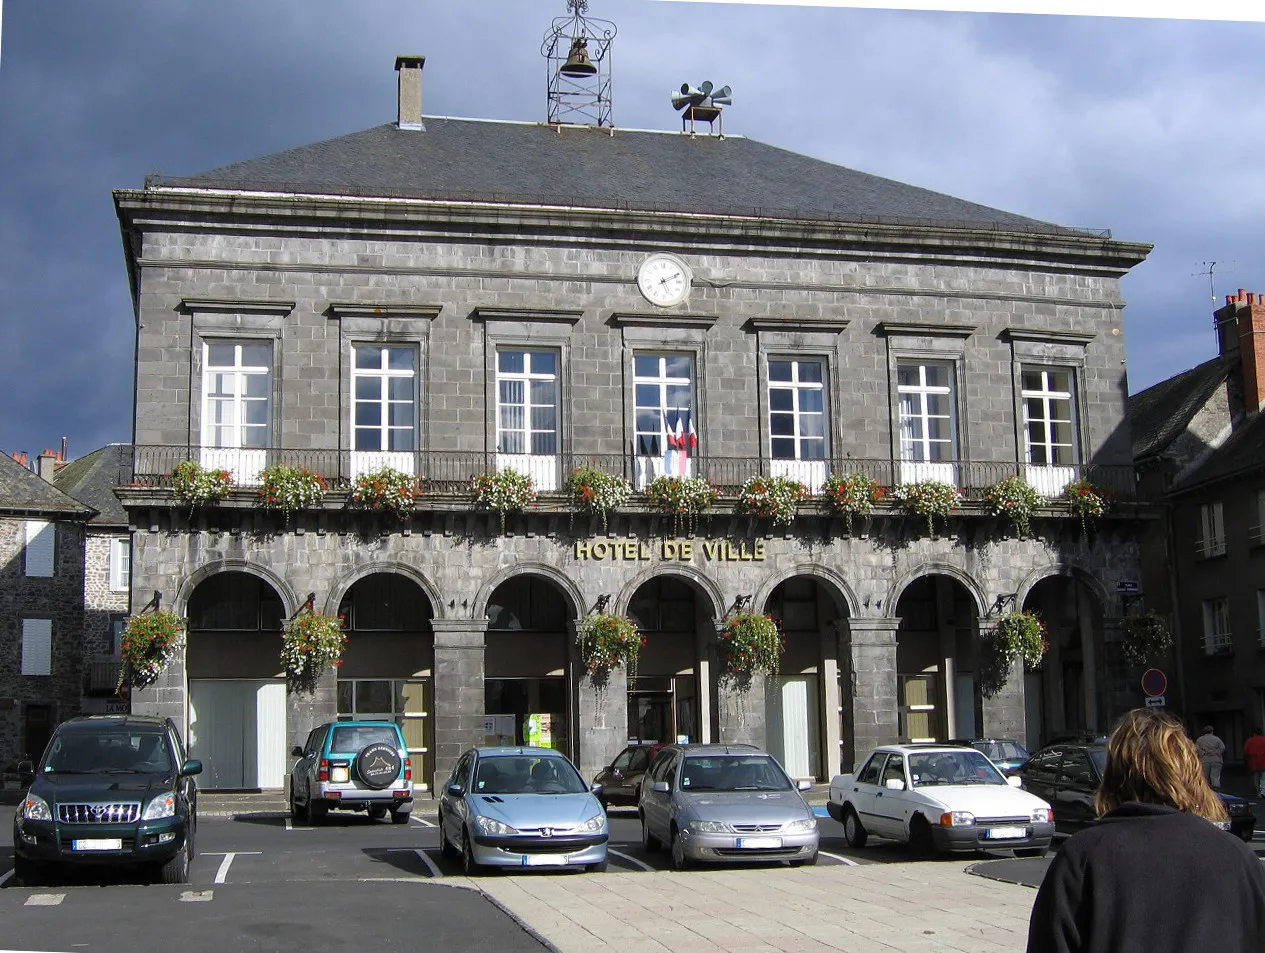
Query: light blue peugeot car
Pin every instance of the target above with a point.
(520, 807)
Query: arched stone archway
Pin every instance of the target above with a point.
(1065, 693)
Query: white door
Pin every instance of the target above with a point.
(370, 461)
(1050, 482)
(541, 467)
(244, 465)
(811, 473)
(918, 472)
(237, 729)
(790, 703)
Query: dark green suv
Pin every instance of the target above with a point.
(110, 789)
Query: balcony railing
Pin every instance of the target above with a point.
(447, 470)
(1208, 548)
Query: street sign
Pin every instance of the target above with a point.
(1154, 682)
(1155, 701)
(1128, 587)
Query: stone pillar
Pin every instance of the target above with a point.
(602, 717)
(458, 692)
(164, 697)
(306, 710)
(1004, 715)
(874, 706)
(742, 718)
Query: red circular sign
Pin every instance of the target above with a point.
(1154, 682)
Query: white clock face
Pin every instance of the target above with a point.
(664, 280)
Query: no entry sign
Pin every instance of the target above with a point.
(1154, 682)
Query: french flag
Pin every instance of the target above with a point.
(680, 441)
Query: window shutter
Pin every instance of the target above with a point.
(40, 535)
(37, 646)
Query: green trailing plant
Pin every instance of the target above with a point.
(287, 487)
(595, 491)
(1017, 635)
(1083, 499)
(750, 643)
(929, 499)
(506, 491)
(851, 495)
(607, 641)
(775, 498)
(1015, 499)
(685, 498)
(386, 490)
(1145, 637)
(198, 485)
(311, 642)
(150, 641)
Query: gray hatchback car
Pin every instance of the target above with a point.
(726, 804)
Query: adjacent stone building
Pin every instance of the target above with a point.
(453, 297)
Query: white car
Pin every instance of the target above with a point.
(941, 797)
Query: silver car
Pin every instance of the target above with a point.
(520, 807)
(725, 803)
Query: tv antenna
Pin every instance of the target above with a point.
(1209, 268)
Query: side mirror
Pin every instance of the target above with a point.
(595, 789)
(456, 790)
(894, 784)
(660, 787)
(26, 772)
(615, 772)
(804, 785)
(1014, 782)
(296, 751)
(191, 767)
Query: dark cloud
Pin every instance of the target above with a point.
(1151, 128)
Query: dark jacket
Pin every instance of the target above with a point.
(1151, 879)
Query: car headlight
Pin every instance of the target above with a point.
(162, 806)
(592, 825)
(709, 827)
(802, 824)
(957, 819)
(490, 825)
(1042, 815)
(35, 808)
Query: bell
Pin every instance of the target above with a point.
(578, 62)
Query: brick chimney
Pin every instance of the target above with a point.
(409, 97)
(1241, 327)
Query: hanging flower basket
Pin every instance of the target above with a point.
(606, 642)
(150, 641)
(929, 499)
(386, 490)
(750, 643)
(595, 491)
(775, 498)
(1145, 637)
(506, 491)
(683, 497)
(311, 642)
(1015, 499)
(851, 495)
(1085, 501)
(287, 487)
(196, 485)
(1016, 635)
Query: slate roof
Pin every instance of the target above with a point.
(24, 492)
(91, 479)
(1242, 453)
(1159, 414)
(583, 166)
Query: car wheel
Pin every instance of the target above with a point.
(809, 861)
(470, 866)
(26, 871)
(314, 811)
(853, 831)
(598, 868)
(296, 812)
(679, 860)
(1247, 834)
(445, 846)
(377, 812)
(176, 870)
(1032, 851)
(920, 843)
(649, 843)
(400, 817)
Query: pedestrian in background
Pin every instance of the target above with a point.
(1211, 756)
(1153, 875)
(1254, 755)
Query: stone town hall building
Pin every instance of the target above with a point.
(453, 296)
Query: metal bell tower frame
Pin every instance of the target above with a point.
(577, 49)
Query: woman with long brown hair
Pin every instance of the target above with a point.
(1156, 873)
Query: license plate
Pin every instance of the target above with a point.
(544, 860)
(97, 844)
(1005, 833)
(755, 843)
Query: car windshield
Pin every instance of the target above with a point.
(952, 767)
(1099, 757)
(1003, 750)
(351, 738)
(112, 752)
(526, 774)
(733, 773)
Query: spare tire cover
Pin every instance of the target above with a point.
(378, 765)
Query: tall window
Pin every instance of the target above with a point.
(1048, 423)
(663, 400)
(120, 564)
(527, 402)
(928, 427)
(1216, 614)
(797, 410)
(1211, 530)
(384, 398)
(237, 394)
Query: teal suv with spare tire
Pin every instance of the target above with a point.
(352, 766)
(109, 790)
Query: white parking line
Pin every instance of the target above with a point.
(291, 826)
(44, 899)
(197, 896)
(5, 877)
(842, 860)
(422, 856)
(424, 822)
(227, 862)
(631, 860)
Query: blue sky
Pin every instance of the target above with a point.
(1154, 129)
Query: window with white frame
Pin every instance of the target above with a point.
(526, 401)
(928, 417)
(399, 700)
(1049, 420)
(797, 409)
(1211, 530)
(237, 394)
(120, 564)
(1216, 613)
(40, 548)
(383, 407)
(37, 646)
(663, 405)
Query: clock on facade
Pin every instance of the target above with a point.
(664, 280)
